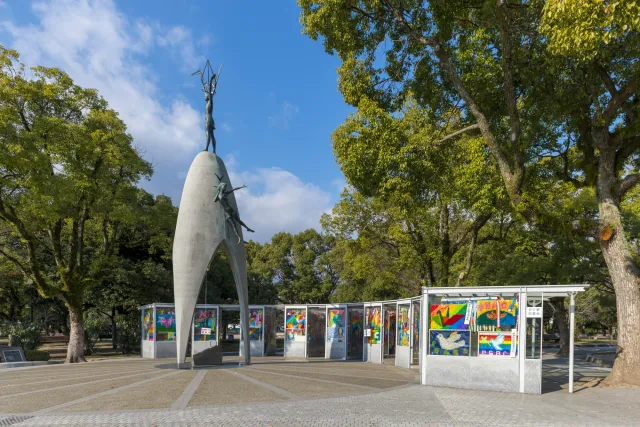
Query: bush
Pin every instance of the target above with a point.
(23, 334)
(36, 355)
(92, 329)
(128, 336)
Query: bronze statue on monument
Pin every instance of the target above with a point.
(209, 81)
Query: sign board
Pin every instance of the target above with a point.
(534, 312)
(367, 332)
(205, 331)
(12, 354)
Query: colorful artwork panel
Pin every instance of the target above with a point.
(205, 318)
(255, 317)
(295, 322)
(374, 324)
(336, 318)
(335, 334)
(335, 328)
(449, 343)
(404, 333)
(255, 324)
(448, 316)
(296, 318)
(294, 335)
(147, 322)
(498, 344)
(498, 313)
(165, 324)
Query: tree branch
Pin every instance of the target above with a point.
(620, 98)
(509, 87)
(460, 132)
(628, 183)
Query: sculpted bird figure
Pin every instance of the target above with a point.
(452, 342)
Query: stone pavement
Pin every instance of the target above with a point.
(274, 392)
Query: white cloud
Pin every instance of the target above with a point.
(227, 127)
(100, 48)
(277, 200)
(283, 117)
(179, 42)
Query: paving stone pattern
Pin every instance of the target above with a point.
(390, 398)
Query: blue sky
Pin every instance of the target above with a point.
(275, 108)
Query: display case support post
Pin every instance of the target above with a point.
(572, 321)
(522, 338)
(424, 318)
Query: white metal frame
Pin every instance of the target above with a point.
(306, 326)
(523, 292)
(193, 326)
(366, 340)
(345, 326)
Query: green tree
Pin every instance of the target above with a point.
(140, 270)
(67, 183)
(299, 265)
(561, 117)
(426, 198)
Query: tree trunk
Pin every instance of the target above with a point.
(560, 320)
(75, 350)
(624, 272)
(114, 328)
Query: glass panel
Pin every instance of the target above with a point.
(255, 324)
(534, 329)
(147, 324)
(355, 332)
(478, 326)
(165, 324)
(404, 324)
(296, 320)
(533, 338)
(389, 330)
(205, 324)
(416, 332)
(335, 326)
(316, 332)
(374, 324)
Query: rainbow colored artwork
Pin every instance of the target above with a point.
(404, 333)
(165, 324)
(336, 317)
(488, 312)
(255, 324)
(449, 343)
(205, 318)
(148, 324)
(374, 323)
(335, 328)
(448, 316)
(495, 343)
(355, 322)
(295, 324)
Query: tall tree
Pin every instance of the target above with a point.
(300, 266)
(425, 197)
(67, 183)
(572, 117)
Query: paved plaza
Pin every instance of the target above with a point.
(283, 392)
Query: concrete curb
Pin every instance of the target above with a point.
(598, 360)
(8, 365)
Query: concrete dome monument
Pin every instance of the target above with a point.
(208, 220)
